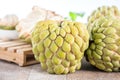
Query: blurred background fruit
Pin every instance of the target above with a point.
(104, 48)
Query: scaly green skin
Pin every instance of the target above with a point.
(59, 46)
(101, 12)
(7, 28)
(104, 49)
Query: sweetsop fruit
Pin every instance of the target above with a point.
(104, 48)
(9, 22)
(59, 45)
(101, 12)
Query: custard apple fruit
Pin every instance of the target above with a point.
(59, 45)
(104, 48)
(101, 12)
(9, 22)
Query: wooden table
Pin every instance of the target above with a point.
(11, 71)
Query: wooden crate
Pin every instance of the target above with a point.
(17, 51)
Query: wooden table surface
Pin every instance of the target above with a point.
(11, 71)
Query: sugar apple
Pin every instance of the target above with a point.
(100, 12)
(9, 22)
(104, 48)
(59, 45)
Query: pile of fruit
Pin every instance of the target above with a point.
(60, 45)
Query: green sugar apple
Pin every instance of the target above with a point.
(101, 12)
(59, 45)
(104, 48)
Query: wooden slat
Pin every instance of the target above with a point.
(4, 47)
(6, 56)
(32, 62)
(25, 50)
(17, 51)
(13, 49)
(9, 42)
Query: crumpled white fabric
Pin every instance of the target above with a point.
(26, 25)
